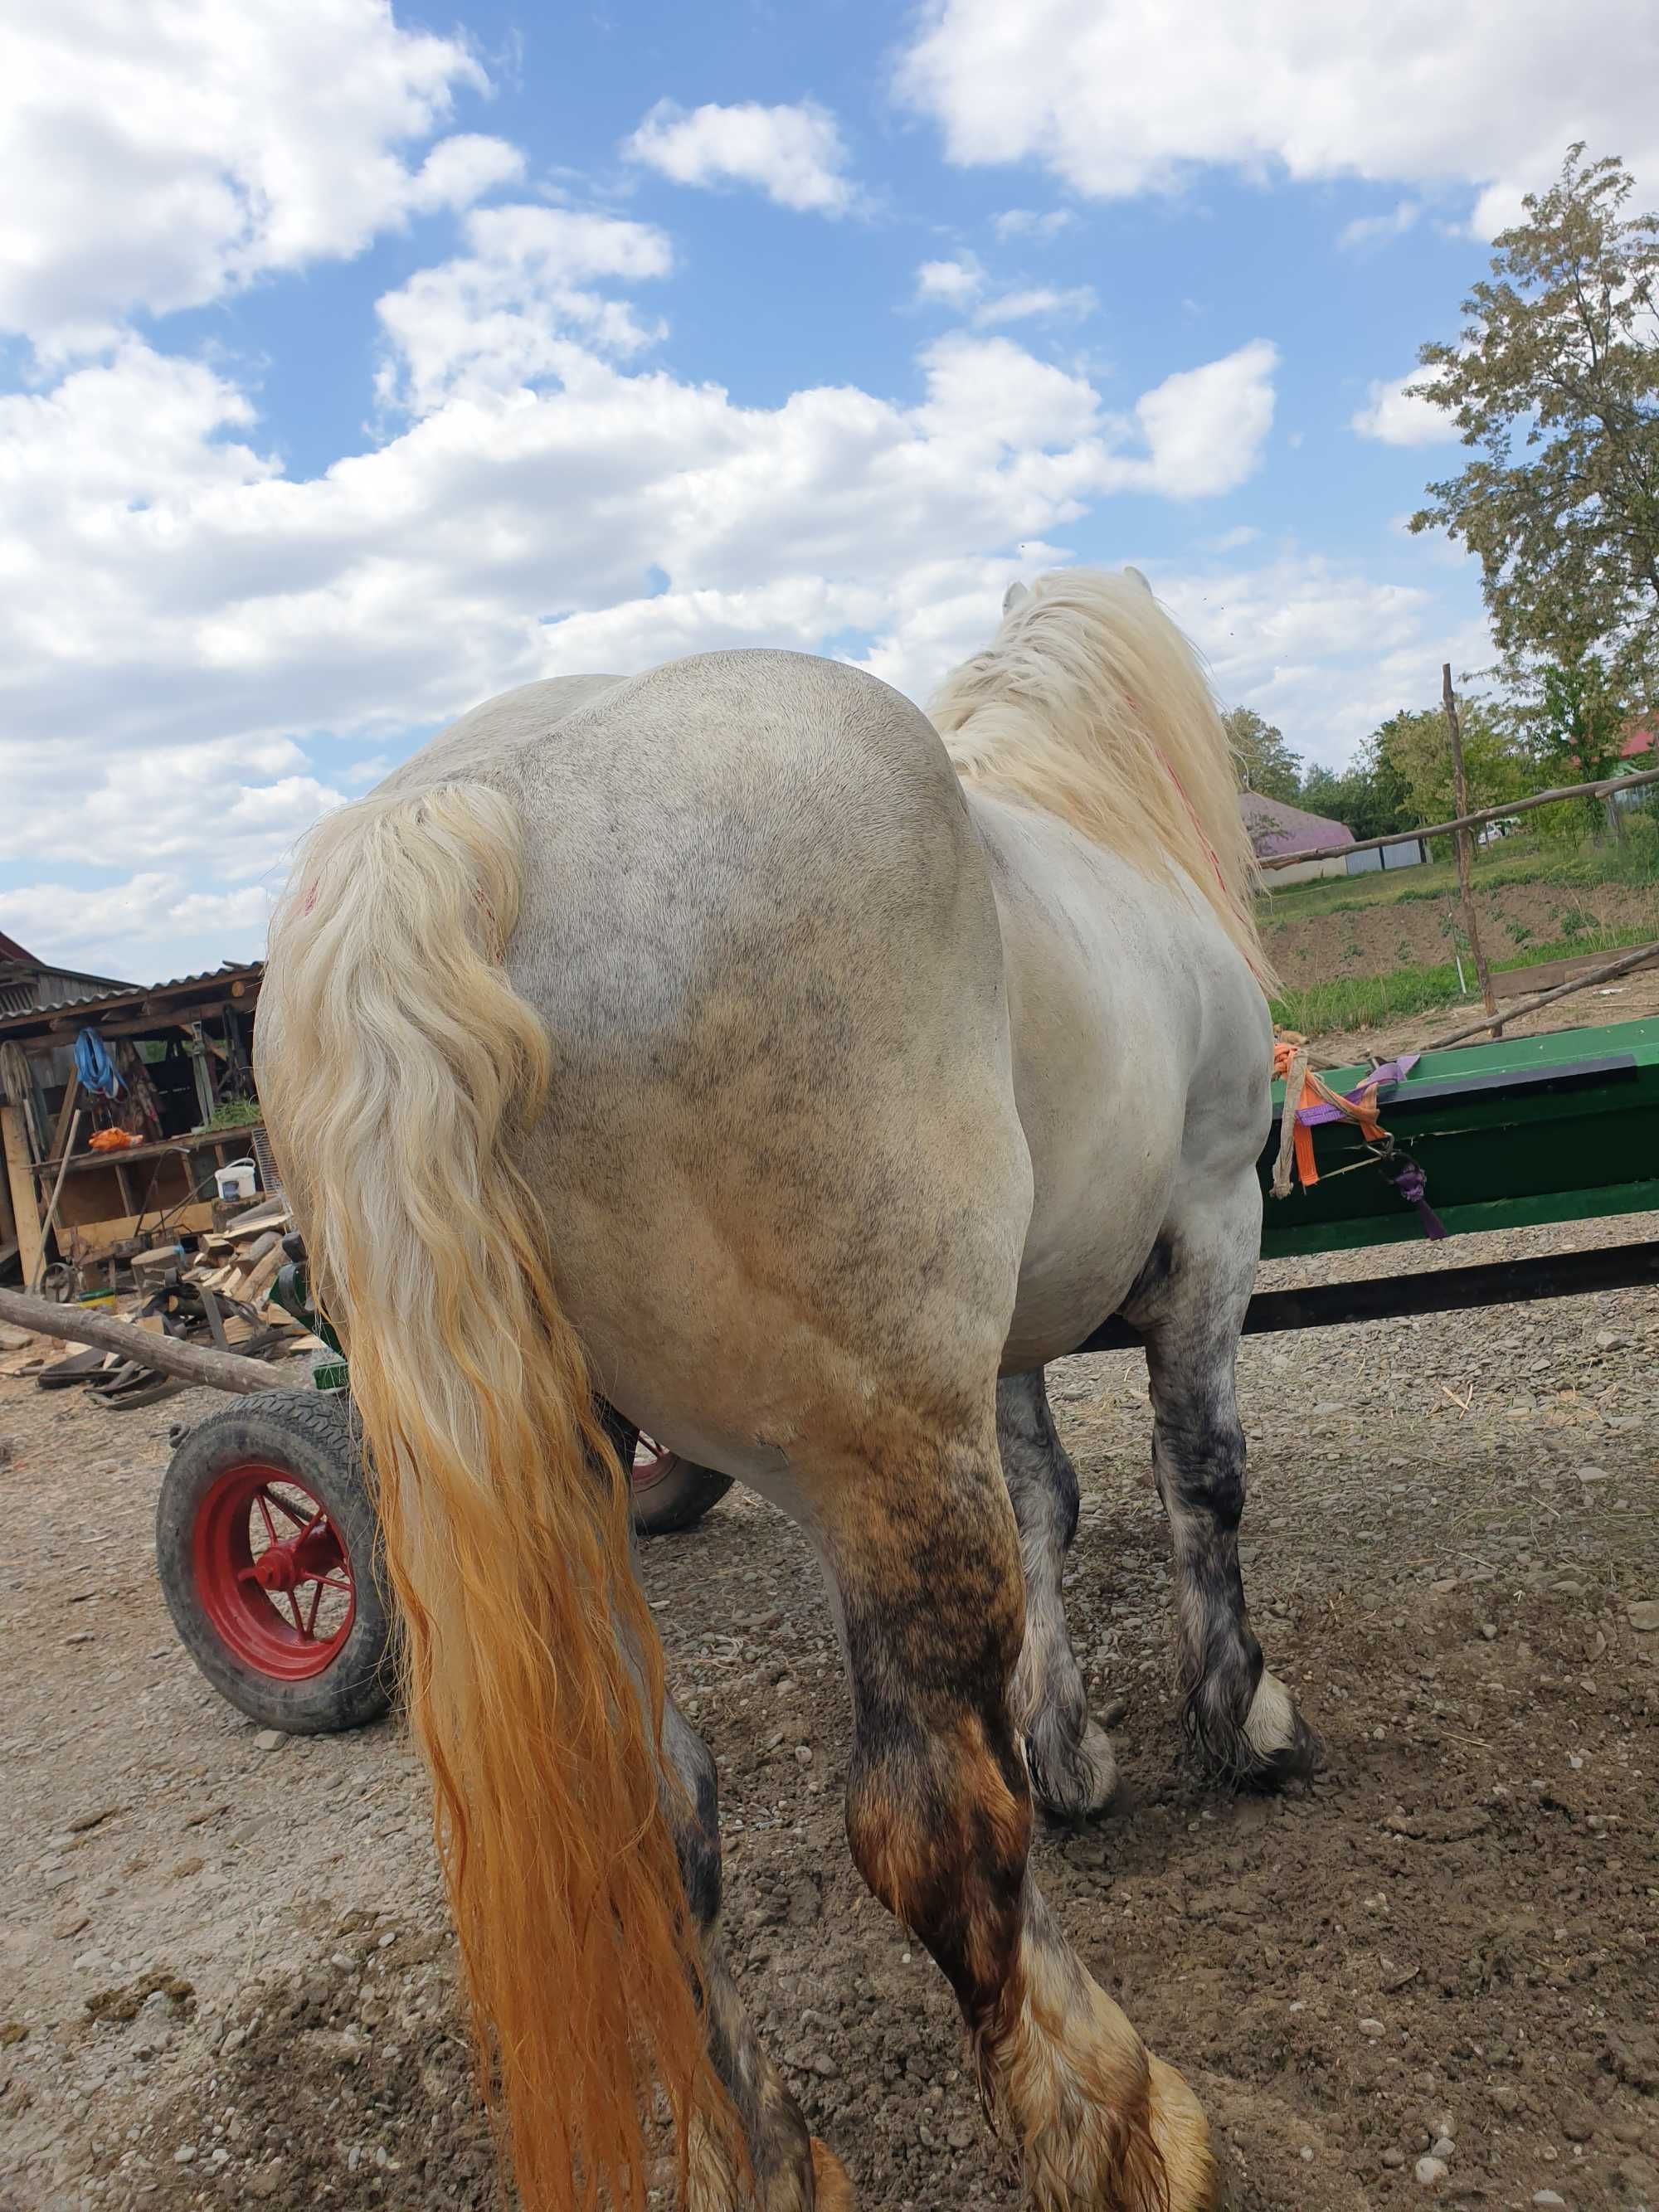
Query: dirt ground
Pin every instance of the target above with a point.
(225, 1978)
(1410, 932)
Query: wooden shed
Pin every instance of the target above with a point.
(186, 1102)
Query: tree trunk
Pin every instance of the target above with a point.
(1465, 847)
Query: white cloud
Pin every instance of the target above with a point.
(1040, 303)
(1319, 646)
(1378, 229)
(507, 314)
(157, 153)
(955, 281)
(1025, 222)
(795, 154)
(181, 617)
(1396, 413)
(1230, 541)
(1205, 426)
(1120, 101)
(150, 927)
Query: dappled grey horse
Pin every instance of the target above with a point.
(799, 1075)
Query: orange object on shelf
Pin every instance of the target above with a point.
(113, 1141)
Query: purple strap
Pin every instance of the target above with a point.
(1412, 1185)
(1390, 1072)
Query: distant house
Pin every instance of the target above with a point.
(1275, 827)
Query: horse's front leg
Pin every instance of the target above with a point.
(1073, 1772)
(1242, 1719)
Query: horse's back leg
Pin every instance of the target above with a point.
(1073, 1772)
(789, 2172)
(923, 1551)
(1242, 1719)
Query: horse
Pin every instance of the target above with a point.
(735, 1051)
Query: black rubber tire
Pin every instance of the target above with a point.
(679, 1498)
(309, 1432)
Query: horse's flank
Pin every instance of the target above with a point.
(1090, 704)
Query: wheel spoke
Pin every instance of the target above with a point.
(316, 1599)
(344, 1589)
(294, 1607)
(292, 1511)
(260, 1500)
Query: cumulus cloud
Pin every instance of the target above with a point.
(506, 313)
(1396, 414)
(793, 154)
(955, 281)
(1116, 101)
(157, 153)
(1205, 426)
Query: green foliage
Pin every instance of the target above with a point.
(1370, 795)
(1266, 762)
(1554, 381)
(1418, 748)
(234, 1114)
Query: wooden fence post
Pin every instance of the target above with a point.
(1466, 845)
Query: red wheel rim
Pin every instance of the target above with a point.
(271, 1573)
(653, 1463)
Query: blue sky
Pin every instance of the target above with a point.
(355, 364)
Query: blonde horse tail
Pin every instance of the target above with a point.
(400, 1073)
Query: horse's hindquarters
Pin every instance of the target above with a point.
(781, 1160)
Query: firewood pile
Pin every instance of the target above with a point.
(212, 1289)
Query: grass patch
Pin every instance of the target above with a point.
(1364, 1002)
(1516, 860)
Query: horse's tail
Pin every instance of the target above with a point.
(400, 1073)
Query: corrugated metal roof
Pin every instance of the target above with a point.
(103, 1002)
(1275, 827)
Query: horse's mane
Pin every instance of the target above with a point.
(1089, 703)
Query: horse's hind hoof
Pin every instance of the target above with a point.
(1072, 1781)
(831, 2189)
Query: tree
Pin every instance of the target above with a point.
(1555, 381)
(1417, 752)
(1266, 762)
(1370, 796)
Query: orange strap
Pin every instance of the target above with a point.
(1315, 1092)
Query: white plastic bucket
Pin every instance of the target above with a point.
(234, 1182)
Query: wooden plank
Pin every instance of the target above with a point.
(71, 1092)
(95, 1238)
(31, 1244)
(259, 1278)
(33, 1280)
(219, 1370)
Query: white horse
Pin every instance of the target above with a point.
(796, 1075)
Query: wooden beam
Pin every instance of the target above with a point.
(33, 1280)
(218, 1370)
(1642, 956)
(1485, 814)
(71, 1092)
(19, 1175)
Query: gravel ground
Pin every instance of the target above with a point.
(225, 1976)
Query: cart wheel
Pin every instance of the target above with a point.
(672, 1493)
(266, 1543)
